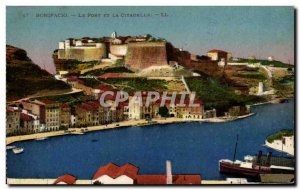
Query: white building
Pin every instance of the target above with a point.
(67, 44)
(135, 109)
(114, 35)
(66, 179)
(114, 174)
(37, 127)
(78, 43)
(286, 144)
(61, 45)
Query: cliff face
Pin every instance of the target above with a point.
(145, 54)
(24, 78)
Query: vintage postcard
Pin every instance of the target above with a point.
(150, 95)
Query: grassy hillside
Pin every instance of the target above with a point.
(279, 135)
(23, 78)
(218, 94)
(99, 72)
(275, 63)
(130, 84)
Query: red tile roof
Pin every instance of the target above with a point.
(151, 179)
(116, 75)
(64, 105)
(162, 179)
(123, 104)
(114, 171)
(67, 178)
(177, 102)
(44, 102)
(11, 109)
(105, 87)
(89, 106)
(216, 51)
(186, 179)
(26, 117)
(72, 78)
(111, 75)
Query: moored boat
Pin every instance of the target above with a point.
(18, 150)
(254, 167)
(41, 139)
(77, 133)
(10, 147)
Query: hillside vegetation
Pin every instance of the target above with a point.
(275, 63)
(279, 135)
(216, 93)
(24, 78)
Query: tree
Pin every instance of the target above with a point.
(163, 111)
(148, 36)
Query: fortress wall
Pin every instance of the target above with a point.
(82, 54)
(145, 54)
(119, 50)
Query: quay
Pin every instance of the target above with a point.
(21, 181)
(133, 123)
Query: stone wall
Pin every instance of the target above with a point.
(82, 54)
(119, 50)
(145, 54)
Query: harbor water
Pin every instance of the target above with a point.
(192, 147)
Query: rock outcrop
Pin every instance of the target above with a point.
(24, 78)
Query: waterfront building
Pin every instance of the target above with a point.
(187, 112)
(161, 179)
(12, 120)
(122, 111)
(135, 110)
(114, 174)
(184, 111)
(89, 114)
(73, 119)
(66, 179)
(52, 113)
(65, 116)
(36, 110)
(30, 123)
(26, 124)
(48, 111)
(128, 174)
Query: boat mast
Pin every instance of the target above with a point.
(237, 138)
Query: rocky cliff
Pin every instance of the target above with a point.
(24, 78)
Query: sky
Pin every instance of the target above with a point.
(243, 31)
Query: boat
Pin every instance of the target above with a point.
(10, 147)
(254, 166)
(77, 133)
(41, 139)
(18, 150)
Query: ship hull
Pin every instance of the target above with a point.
(235, 169)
